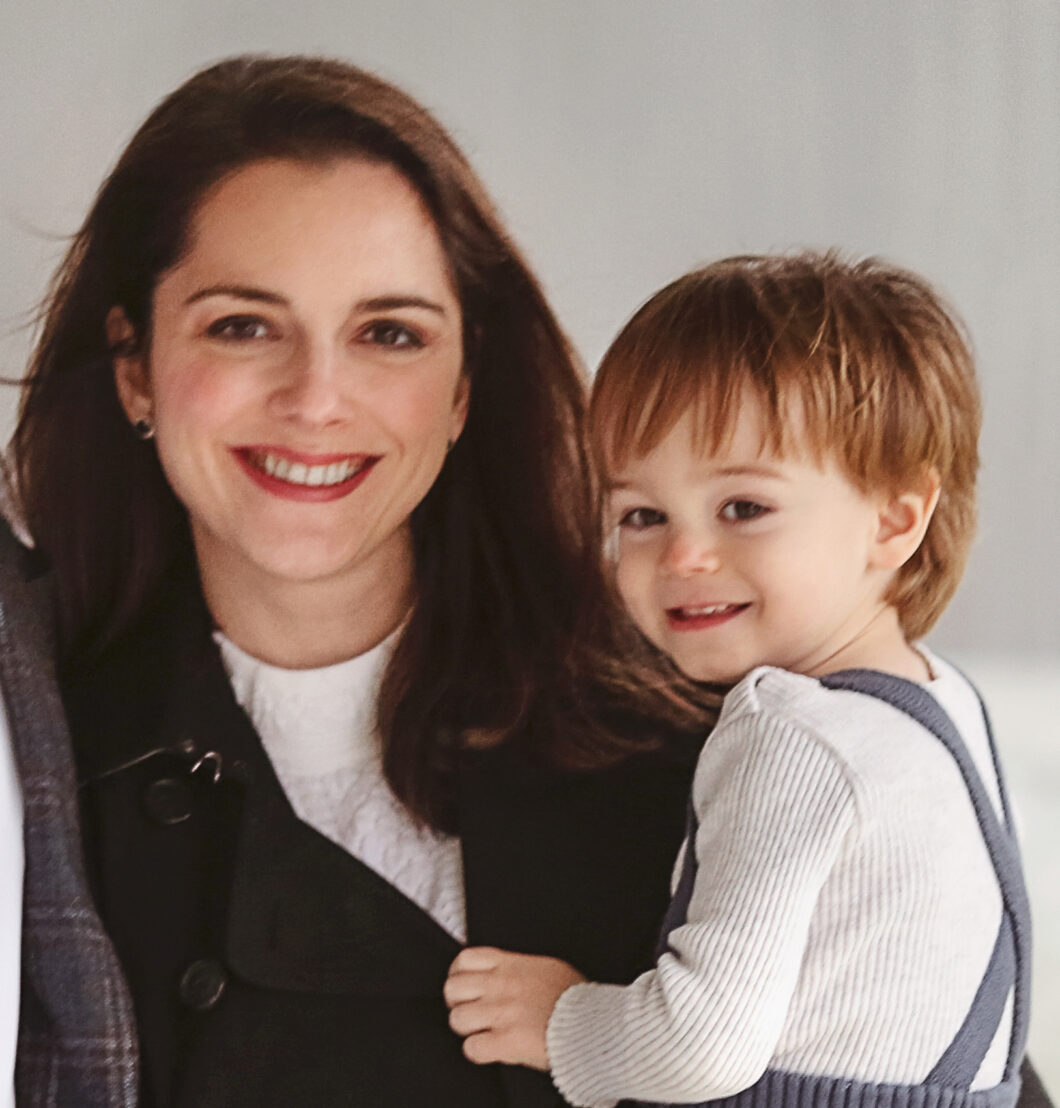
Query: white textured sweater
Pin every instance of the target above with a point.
(318, 729)
(844, 909)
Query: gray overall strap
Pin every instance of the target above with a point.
(1010, 959)
(961, 1060)
(677, 912)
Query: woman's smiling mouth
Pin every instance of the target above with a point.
(299, 476)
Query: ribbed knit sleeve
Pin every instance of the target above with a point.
(775, 809)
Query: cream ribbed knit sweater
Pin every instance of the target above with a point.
(843, 914)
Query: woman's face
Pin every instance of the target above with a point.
(304, 372)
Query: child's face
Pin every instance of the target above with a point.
(742, 558)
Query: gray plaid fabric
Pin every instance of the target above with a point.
(76, 1043)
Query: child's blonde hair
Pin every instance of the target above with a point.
(875, 361)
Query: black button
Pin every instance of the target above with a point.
(202, 984)
(168, 800)
(239, 771)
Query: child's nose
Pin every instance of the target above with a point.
(686, 554)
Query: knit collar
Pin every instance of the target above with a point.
(311, 720)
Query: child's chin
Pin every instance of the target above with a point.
(711, 672)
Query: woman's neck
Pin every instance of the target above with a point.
(308, 624)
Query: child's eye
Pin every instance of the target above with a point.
(640, 519)
(388, 332)
(742, 511)
(239, 328)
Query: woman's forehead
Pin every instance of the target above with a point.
(351, 226)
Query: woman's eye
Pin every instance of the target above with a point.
(388, 332)
(239, 328)
(640, 519)
(742, 511)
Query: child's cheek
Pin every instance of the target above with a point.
(635, 579)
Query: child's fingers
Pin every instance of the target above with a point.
(499, 1003)
(473, 1017)
(459, 988)
(485, 1047)
(476, 959)
(505, 1045)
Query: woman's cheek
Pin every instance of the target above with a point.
(426, 407)
(199, 395)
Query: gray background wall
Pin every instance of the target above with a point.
(627, 140)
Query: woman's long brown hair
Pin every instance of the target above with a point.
(514, 621)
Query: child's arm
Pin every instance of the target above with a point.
(774, 808)
(501, 1003)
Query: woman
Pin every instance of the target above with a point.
(299, 446)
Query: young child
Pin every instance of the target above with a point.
(790, 446)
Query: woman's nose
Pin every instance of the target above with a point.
(311, 388)
(688, 553)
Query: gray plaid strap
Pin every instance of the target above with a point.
(77, 1041)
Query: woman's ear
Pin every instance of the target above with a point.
(130, 367)
(903, 522)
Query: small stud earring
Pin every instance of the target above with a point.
(144, 429)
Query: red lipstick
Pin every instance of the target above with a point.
(301, 476)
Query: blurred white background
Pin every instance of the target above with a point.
(628, 140)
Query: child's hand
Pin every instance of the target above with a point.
(501, 1003)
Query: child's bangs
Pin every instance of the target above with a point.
(634, 411)
(769, 332)
(635, 406)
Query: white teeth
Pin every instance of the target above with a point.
(708, 610)
(298, 473)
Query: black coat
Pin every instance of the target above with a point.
(267, 966)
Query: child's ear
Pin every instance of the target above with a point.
(903, 521)
(130, 367)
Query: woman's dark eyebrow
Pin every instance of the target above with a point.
(373, 304)
(240, 292)
(390, 303)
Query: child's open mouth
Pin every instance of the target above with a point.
(698, 617)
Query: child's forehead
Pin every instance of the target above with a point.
(745, 426)
(747, 442)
